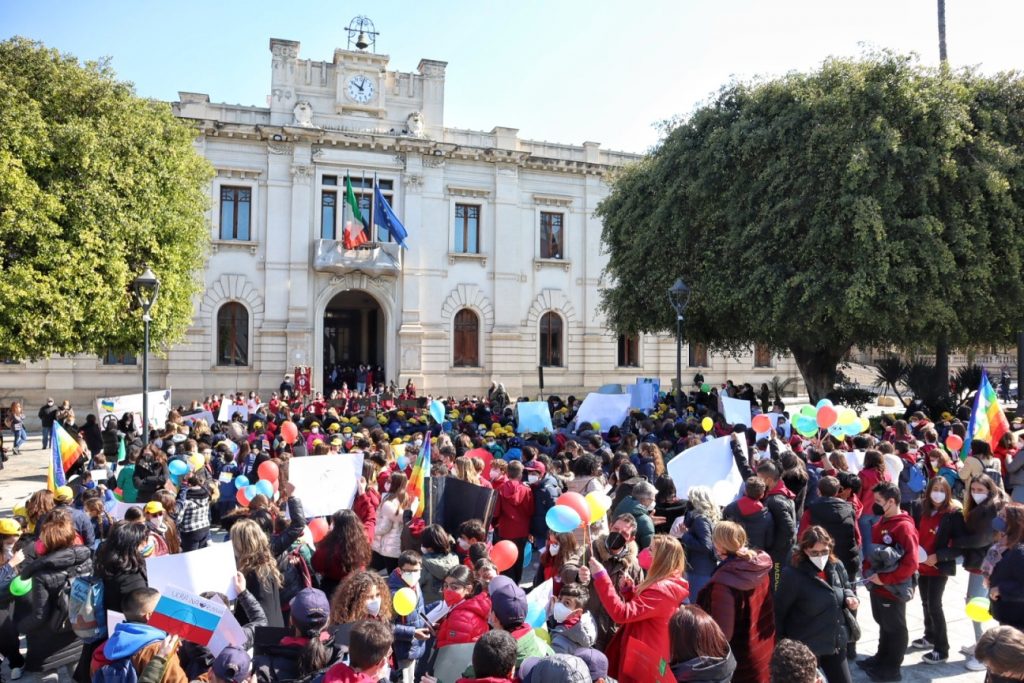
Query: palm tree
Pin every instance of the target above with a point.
(890, 373)
(781, 386)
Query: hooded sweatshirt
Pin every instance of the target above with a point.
(779, 501)
(140, 642)
(707, 669)
(343, 673)
(755, 519)
(890, 531)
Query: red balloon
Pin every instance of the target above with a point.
(318, 528)
(954, 443)
(827, 416)
(268, 470)
(645, 558)
(242, 500)
(289, 432)
(761, 424)
(504, 554)
(577, 502)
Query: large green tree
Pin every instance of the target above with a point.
(871, 202)
(95, 183)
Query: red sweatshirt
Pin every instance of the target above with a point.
(896, 529)
(514, 509)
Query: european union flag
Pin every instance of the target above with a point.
(386, 218)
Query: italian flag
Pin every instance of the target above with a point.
(355, 229)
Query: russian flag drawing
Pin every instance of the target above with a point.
(189, 616)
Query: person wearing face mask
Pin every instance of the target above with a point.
(411, 631)
(459, 621)
(811, 603)
(938, 512)
(561, 551)
(617, 551)
(1006, 576)
(972, 537)
(470, 532)
(575, 627)
(361, 596)
(10, 533)
(890, 569)
(438, 560)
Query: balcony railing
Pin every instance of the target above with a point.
(373, 258)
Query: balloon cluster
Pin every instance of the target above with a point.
(266, 486)
(839, 422)
(178, 468)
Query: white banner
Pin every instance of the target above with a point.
(159, 407)
(326, 483)
(227, 410)
(202, 415)
(710, 464)
(608, 410)
(737, 411)
(208, 569)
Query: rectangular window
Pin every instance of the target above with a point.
(552, 241)
(629, 351)
(698, 355)
(762, 356)
(118, 358)
(363, 190)
(467, 229)
(234, 212)
(328, 211)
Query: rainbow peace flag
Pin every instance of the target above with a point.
(988, 421)
(420, 473)
(66, 452)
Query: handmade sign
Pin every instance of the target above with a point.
(737, 411)
(208, 569)
(709, 464)
(326, 483)
(208, 623)
(643, 396)
(116, 406)
(533, 416)
(228, 410)
(201, 415)
(608, 410)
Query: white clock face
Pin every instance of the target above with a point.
(360, 88)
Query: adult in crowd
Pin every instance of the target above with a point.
(699, 650)
(47, 416)
(696, 532)
(640, 504)
(617, 552)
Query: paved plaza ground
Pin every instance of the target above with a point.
(26, 473)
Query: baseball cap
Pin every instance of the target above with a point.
(63, 494)
(9, 527)
(595, 660)
(232, 664)
(508, 601)
(154, 507)
(310, 609)
(536, 466)
(554, 669)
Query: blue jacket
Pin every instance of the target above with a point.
(700, 551)
(129, 638)
(406, 646)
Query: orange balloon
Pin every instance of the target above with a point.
(954, 443)
(268, 470)
(577, 502)
(504, 555)
(318, 528)
(761, 424)
(289, 432)
(827, 416)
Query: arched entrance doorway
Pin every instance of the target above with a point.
(354, 335)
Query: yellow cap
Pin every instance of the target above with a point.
(334, 427)
(154, 507)
(9, 527)
(396, 442)
(257, 425)
(64, 494)
(346, 430)
(489, 435)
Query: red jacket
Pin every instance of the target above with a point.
(365, 507)
(487, 679)
(899, 529)
(868, 480)
(343, 673)
(466, 622)
(514, 509)
(645, 616)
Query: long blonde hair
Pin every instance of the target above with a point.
(466, 471)
(732, 538)
(252, 552)
(700, 501)
(667, 559)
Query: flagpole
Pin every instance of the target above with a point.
(373, 238)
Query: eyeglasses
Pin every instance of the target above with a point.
(823, 553)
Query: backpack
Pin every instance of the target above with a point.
(294, 568)
(85, 609)
(118, 671)
(992, 470)
(916, 481)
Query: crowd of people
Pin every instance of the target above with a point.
(666, 584)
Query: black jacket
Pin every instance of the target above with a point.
(117, 588)
(149, 476)
(47, 415)
(1008, 577)
(810, 610)
(545, 493)
(755, 519)
(46, 625)
(111, 440)
(973, 535)
(783, 526)
(839, 519)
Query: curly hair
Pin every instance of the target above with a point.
(252, 552)
(346, 543)
(348, 604)
(793, 662)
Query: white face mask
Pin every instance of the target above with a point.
(533, 478)
(938, 497)
(820, 562)
(979, 498)
(554, 548)
(411, 578)
(464, 544)
(495, 474)
(561, 612)
(373, 606)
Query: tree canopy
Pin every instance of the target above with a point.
(95, 184)
(872, 202)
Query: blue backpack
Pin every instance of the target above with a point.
(85, 609)
(916, 481)
(118, 671)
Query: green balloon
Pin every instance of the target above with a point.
(20, 586)
(705, 387)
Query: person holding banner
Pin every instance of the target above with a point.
(135, 640)
(259, 566)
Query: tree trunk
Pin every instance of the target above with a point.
(818, 368)
(942, 367)
(942, 32)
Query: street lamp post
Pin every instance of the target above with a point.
(146, 287)
(679, 296)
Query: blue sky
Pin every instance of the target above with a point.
(559, 70)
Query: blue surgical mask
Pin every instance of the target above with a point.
(999, 525)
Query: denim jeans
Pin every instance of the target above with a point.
(976, 589)
(20, 437)
(46, 437)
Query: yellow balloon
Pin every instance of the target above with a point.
(707, 424)
(846, 417)
(543, 634)
(978, 610)
(598, 502)
(404, 601)
(197, 461)
(865, 424)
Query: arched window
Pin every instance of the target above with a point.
(232, 335)
(467, 339)
(551, 340)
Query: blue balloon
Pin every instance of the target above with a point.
(527, 554)
(241, 481)
(265, 487)
(251, 491)
(562, 519)
(852, 429)
(402, 462)
(824, 402)
(177, 467)
(536, 615)
(836, 430)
